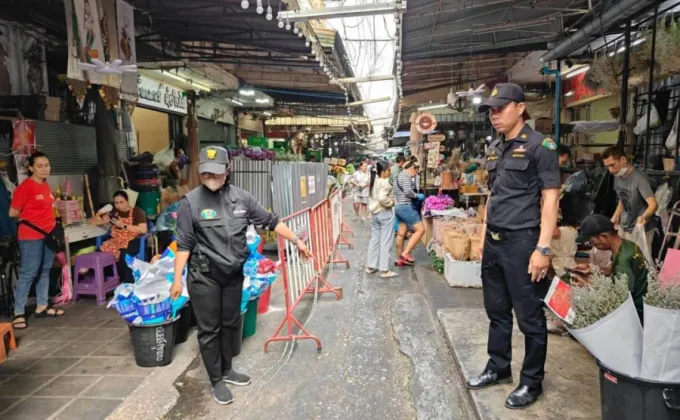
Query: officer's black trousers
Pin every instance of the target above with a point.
(507, 285)
(216, 300)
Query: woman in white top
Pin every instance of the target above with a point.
(360, 180)
(380, 204)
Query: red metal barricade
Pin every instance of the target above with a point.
(300, 276)
(335, 214)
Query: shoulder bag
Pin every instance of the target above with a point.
(53, 240)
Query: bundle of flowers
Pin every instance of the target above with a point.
(606, 322)
(661, 338)
(438, 202)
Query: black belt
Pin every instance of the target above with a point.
(505, 234)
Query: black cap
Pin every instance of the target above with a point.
(501, 95)
(592, 225)
(213, 159)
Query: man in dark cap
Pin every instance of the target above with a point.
(520, 219)
(211, 236)
(627, 258)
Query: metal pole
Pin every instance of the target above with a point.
(650, 86)
(624, 89)
(558, 101)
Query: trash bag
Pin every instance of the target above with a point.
(164, 158)
(259, 272)
(576, 183)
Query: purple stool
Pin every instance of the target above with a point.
(95, 284)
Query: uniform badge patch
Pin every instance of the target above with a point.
(494, 92)
(549, 144)
(208, 214)
(211, 153)
(523, 137)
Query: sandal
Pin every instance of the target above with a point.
(407, 257)
(45, 313)
(370, 271)
(17, 325)
(388, 274)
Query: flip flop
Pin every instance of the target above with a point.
(408, 258)
(388, 275)
(370, 271)
(403, 263)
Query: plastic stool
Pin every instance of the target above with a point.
(6, 329)
(97, 284)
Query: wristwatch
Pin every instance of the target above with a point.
(544, 250)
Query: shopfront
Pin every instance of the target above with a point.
(215, 124)
(159, 115)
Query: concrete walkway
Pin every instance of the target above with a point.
(383, 358)
(571, 386)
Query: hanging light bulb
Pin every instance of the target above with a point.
(288, 25)
(300, 34)
(295, 29)
(259, 9)
(269, 15)
(307, 43)
(245, 4)
(281, 24)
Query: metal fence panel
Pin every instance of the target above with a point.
(298, 185)
(254, 176)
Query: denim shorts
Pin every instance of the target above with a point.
(407, 214)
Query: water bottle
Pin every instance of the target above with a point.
(251, 235)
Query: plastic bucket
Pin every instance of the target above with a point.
(250, 319)
(263, 306)
(153, 344)
(183, 324)
(626, 398)
(238, 338)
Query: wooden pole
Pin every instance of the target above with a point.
(192, 132)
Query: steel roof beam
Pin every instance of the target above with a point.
(343, 11)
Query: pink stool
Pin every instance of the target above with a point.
(97, 284)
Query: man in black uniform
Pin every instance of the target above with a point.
(519, 224)
(211, 235)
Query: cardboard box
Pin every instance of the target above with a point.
(457, 244)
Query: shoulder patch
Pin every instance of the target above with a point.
(549, 144)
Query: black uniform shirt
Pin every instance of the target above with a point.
(215, 224)
(519, 169)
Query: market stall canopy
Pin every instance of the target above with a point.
(447, 43)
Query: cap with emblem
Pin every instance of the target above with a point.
(501, 95)
(213, 160)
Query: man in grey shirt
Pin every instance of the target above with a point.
(637, 202)
(396, 168)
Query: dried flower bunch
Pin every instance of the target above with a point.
(602, 297)
(666, 297)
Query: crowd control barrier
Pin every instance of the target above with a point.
(319, 227)
(339, 226)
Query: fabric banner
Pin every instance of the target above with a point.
(107, 12)
(22, 61)
(72, 69)
(24, 136)
(127, 51)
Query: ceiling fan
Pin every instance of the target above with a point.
(471, 92)
(113, 67)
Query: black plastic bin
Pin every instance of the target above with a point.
(183, 324)
(153, 344)
(626, 398)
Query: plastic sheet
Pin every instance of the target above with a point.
(595, 126)
(259, 272)
(661, 345)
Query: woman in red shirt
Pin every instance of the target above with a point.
(33, 202)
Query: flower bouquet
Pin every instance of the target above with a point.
(606, 323)
(661, 338)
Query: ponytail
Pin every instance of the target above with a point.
(379, 167)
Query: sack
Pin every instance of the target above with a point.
(475, 247)
(458, 245)
(53, 240)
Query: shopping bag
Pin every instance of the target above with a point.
(558, 300)
(661, 345)
(615, 340)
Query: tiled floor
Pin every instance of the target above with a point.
(79, 366)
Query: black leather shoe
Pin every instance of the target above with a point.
(488, 378)
(523, 396)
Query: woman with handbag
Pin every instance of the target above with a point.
(380, 204)
(33, 204)
(406, 210)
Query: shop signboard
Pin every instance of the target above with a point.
(161, 96)
(436, 137)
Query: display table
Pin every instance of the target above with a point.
(482, 199)
(77, 233)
